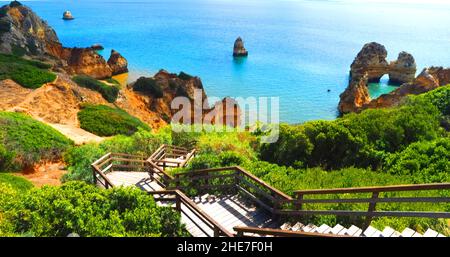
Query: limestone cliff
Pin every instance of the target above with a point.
(369, 66)
(22, 31)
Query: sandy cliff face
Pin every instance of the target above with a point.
(21, 30)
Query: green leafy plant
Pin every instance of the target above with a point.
(148, 86)
(103, 120)
(29, 74)
(25, 141)
(110, 93)
(84, 209)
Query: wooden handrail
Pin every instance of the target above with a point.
(240, 171)
(397, 188)
(280, 233)
(199, 212)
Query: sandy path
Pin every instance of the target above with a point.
(78, 135)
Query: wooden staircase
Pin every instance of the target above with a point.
(355, 231)
(233, 202)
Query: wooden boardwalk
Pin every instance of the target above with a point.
(229, 211)
(228, 214)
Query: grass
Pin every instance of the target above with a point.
(25, 141)
(17, 183)
(29, 74)
(106, 121)
(110, 93)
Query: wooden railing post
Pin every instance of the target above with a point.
(178, 202)
(216, 232)
(177, 181)
(237, 181)
(372, 208)
(94, 176)
(299, 204)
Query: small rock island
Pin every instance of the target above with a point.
(67, 15)
(239, 49)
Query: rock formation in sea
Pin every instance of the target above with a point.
(117, 63)
(22, 30)
(239, 49)
(356, 95)
(67, 15)
(97, 47)
(369, 66)
(372, 60)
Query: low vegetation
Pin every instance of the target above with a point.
(109, 92)
(19, 184)
(29, 74)
(106, 121)
(86, 210)
(25, 142)
(148, 86)
(143, 143)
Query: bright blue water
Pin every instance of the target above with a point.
(297, 50)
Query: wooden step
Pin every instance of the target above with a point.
(354, 231)
(407, 232)
(309, 228)
(297, 227)
(324, 229)
(336, 229)
(286, 226)
(430, 233)
(372, 232)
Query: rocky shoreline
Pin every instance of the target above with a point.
(38, 41)
(370, 65)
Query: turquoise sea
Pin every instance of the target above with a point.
(298, 50)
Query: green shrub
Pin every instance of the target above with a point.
(79, 158)
(361, 140)
(76, 207)
(28, 141)
(19, 184)
(102, 120)
(15, 4)
(184, 76)
(18, 50)
(425, 162)
(148, 86)
(29, 74)
(110, 93)
(5, 26)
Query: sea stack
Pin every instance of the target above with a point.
(239, 49)
(67, 15)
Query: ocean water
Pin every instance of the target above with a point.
(298, 50)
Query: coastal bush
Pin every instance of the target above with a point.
(184, 76)
(289, 179)
(17, 183)
(79, 158)
(148, 86)
(5, 26)
(25, 141)
(106, 121)
(109, 93)
(361, 140)
(77, 207)
(29, 74)
(424, 162)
